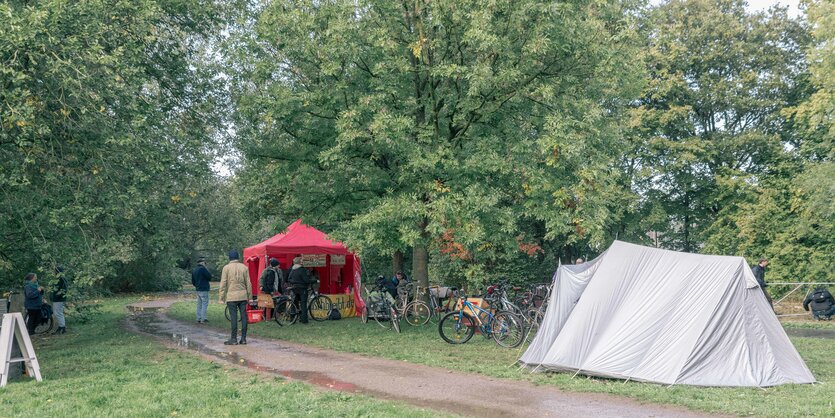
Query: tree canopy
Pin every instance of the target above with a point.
(476, 139)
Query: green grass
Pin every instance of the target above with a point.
(422, 345)
(809, 324)
(98, 369)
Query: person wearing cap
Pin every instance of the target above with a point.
(299, 281)
(759, 274)
(58, 296)
(271, 278)
(200, 278)
(235, 291)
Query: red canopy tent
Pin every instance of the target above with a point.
(337, 267)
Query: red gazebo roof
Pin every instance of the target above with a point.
(300, 239)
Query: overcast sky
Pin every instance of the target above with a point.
(765, 4)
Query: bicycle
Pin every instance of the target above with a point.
(44, 327)
(287, 312)
(458, 327)
(382, 306)
(417, 312)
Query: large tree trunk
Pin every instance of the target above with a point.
(396, 262)
(420, 260)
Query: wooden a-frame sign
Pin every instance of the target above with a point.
(14, 329)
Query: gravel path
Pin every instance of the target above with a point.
(424, 386)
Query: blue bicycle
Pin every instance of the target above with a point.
(457, 327)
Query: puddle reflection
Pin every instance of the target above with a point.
(147, 322)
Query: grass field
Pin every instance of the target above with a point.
(422, 345)
(98, 369)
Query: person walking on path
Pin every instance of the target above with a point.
(58, 296)
(33, 302)
(299, 282)
(235, 292)
(759, 274)
(200, 278)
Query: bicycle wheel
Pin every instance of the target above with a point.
(456, 328)
(535, 317)
(285, 313)
(43, 328)
(364, 315)
(319, 308)
(417, 313)
(382, 317)
(228, 317)
(395, 320)
(507, 329)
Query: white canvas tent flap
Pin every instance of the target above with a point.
(662, 316)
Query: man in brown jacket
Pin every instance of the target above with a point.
(235, 291)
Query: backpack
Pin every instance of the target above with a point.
(334, 314)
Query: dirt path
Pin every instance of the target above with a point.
(424, 386)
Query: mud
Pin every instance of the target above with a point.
(423, 386)
(811, 333)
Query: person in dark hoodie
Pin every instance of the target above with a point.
(200, 278)
(58, 296)
(299, 280)
(759, 274)
(822, 303)
(33, 302)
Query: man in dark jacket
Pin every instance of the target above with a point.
(200, 278)
(271, 278)
(759, 274)
(822, 303)
(59, 298)
(299, 281)
(33, 302)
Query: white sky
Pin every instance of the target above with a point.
(765, 4)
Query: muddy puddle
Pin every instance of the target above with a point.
(147, 321)
(811, 333)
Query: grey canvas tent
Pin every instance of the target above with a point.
(662, 316)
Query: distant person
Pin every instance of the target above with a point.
(578, 261)
(314, 279)
(271, 278)
(299, 280)
(759, 274)
(822, 303)
(200, 278)
(402, 283)
(390, 285)
(235, 291)
(33, 302)
(58, 296)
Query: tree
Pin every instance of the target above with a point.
(709, 124)
(439, 127)
(106, 126)
(792, 217)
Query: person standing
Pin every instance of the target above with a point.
(59, 297)
(759, 274)
(299, 282)
(200, 278)
(235, 292)
(33, 302)
(271, 278)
